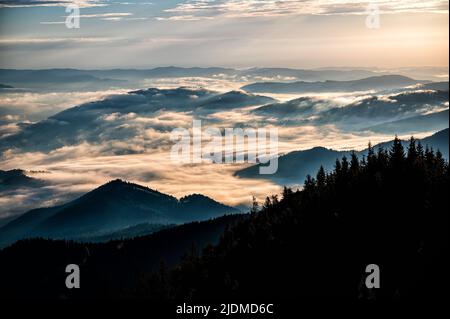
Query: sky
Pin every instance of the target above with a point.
(230, 33)
(384, 34)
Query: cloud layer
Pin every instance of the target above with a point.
(127, 135)
(208, 9)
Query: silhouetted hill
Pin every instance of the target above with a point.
(110, 269)
(17, 178)
(112, 207)
(371, 83)
(439, 141)
(200, 207)
(294, 166)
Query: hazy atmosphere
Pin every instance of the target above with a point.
(231, 33)
(212, 150)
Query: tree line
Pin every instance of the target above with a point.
(389, 208)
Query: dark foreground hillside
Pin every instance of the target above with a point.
(35, 268)
(389, 209)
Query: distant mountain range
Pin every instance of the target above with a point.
(109, 119)
(88, 80)
(380, 109)
(73, 79)
(363, 113)
(295, 166)
(383, 82)
(81, 79)
(109, 211)
(433, 122)
(101, 121)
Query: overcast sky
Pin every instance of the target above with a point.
(234, 33)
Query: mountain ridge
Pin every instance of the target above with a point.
(109, 208)
(17, 178)
(290, 171)
(381, 82)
